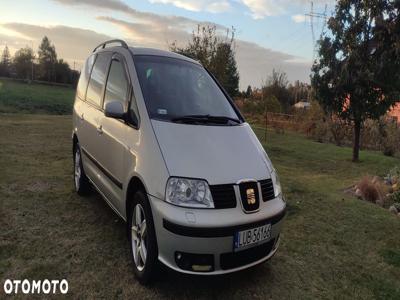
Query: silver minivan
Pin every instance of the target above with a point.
(158, 137)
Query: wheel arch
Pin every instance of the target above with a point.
(74, 142)
(135, 184)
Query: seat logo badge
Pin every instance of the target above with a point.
(251, 196)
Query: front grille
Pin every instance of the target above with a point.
(249, 195)
(267, 189)
(237, 259)
(223, 195)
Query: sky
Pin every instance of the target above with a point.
(270, 34)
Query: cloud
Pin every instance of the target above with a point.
(144, 17)
(299, 18)
(255, 63)
(151, 36)
(198, 5)
(72, 44)
(260, 9)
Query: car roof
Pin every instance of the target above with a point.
(158, 52)
(150, 51)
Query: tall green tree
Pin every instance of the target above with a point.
(215, 53)
(5, 62)
(47, 57)
(357, 73)
(23, 60)
(225, 70)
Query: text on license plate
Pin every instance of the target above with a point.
(248, 237)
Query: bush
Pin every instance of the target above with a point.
(314, 122)
(371, 190)
(341, 131)
(395, 197)
(393, 176)
(391, 141)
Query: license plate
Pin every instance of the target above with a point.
(251, 237)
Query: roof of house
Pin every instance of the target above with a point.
(395, 112)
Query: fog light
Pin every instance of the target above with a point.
(199, 268)
(195, 262)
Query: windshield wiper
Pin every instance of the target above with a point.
(204, 119)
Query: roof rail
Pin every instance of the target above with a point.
(103, 45)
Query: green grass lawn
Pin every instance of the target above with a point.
(333, 246)
(20, 97)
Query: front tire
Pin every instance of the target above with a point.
(81, 182)
(142, 238)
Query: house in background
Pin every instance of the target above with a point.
(395, 112)
(302, 105)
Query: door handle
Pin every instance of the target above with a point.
(99, 129)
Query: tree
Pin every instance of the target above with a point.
(47, 60)
(248, 92)
(23, 60)
(225, 70)
(357, 74)
(215, 53)
(277, 86)
(5, 62)
(299, 91)
(62, 72)
(272, 104)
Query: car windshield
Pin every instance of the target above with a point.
(180, 91)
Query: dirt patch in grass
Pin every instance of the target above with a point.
(38, 187)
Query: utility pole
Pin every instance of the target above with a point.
(32, 61)
(312, 14)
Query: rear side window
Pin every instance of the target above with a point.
(83, 79)
(97, 79)
(117, 84)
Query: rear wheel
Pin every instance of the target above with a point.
(82, 184)
(142, 238)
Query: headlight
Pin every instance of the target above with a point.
(276, 183)
(189, 193)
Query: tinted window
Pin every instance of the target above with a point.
(117, 84)
(174, 88)
(84, 77)
(97, 79)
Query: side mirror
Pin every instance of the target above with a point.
(114, 109)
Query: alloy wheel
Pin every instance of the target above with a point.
(77, 169)
(139, 237)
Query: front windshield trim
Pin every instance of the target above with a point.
(151, 115)
(200, 123)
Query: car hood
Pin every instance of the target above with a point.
(219, 154)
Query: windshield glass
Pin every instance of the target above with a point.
(176, 90)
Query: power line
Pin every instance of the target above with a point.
(317, 15)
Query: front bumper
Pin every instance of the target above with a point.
(204, 235)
